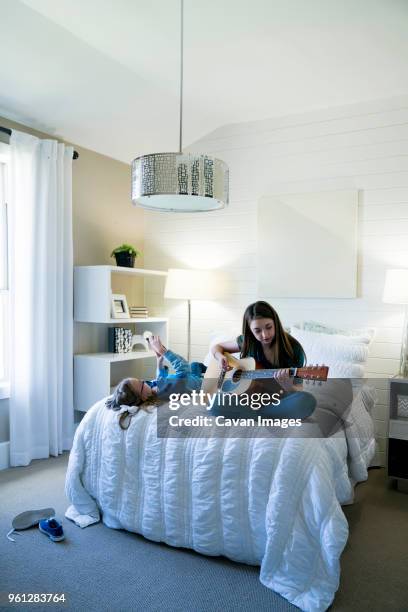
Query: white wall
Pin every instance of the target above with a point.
(362, 147)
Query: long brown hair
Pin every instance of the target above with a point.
(124, 395)
(283, 343)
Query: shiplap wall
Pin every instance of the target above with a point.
(362, 147)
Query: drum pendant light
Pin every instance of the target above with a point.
(180, 182)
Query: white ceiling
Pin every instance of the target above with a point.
(104, 74)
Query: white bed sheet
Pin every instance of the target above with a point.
(262, 501)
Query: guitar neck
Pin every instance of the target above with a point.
(245, 369)
(267, 373)
(307, 372)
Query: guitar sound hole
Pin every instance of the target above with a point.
(236, 377)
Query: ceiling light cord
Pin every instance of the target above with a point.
(181, 72)
(180, 182)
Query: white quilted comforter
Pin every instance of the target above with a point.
(262, 501)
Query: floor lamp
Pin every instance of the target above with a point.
(190, 285)
(396, 292)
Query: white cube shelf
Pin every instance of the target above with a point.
(96, 371)
(93, 291)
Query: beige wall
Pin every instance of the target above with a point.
(103, 216)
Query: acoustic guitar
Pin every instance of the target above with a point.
(239, 379)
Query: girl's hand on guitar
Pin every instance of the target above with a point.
(223, 361)
(282, 373)
(284, 379)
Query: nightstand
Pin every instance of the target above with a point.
(398, 432)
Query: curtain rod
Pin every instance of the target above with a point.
(8, 132)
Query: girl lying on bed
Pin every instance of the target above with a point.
(145, 393)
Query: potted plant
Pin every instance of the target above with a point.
(125, 255)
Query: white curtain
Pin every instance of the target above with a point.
(41, 273)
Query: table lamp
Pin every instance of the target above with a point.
(396, 292)
(191, 285)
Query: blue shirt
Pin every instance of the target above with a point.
(183, 371)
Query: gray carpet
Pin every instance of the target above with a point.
(103, 569)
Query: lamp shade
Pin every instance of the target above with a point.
(396, 287)
(191, 285)
(179, 182)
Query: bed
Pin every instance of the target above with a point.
(272, 502)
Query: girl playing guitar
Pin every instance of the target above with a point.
(265, 340)
(272, 347)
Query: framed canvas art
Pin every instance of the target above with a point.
(307, 245)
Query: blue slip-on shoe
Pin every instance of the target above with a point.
(53, 529)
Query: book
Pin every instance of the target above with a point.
(119, 340)
(138, 312)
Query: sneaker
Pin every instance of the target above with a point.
(28, 519)
(53, 529)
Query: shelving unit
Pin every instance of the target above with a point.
(398, 434)
(97, 371)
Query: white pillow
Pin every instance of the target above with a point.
(346, 356)
(321, 328)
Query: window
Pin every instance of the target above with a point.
(4, 283)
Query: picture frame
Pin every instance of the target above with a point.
(119, 307)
